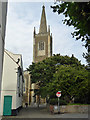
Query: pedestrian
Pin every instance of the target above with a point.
(26, 105)
(51, 109)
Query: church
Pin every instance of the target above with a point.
(42, 42)
(42, 48)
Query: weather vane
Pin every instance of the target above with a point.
(43, 3)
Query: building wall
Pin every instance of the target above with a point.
(19, 93)
(27, 87)
(39, 38)
(9, 74)
(10, 80)
(33, 86)
(3, 11)
(39, 55)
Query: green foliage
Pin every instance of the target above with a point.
(77, 14)
(68, 75)
(73, 82)
(55, 102)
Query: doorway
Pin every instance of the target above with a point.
(7, 108)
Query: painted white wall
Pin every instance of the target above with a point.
(9, 73)
(3, 12)
(19, 99)
(10, 80)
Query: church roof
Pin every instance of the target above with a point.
(43, 24)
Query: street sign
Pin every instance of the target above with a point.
(58, 94)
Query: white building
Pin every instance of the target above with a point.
(3, 12)
(12, 84)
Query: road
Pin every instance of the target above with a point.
(34, 112)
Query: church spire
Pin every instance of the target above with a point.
(34, 32)
(43, 24)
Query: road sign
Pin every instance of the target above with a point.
(58, 94)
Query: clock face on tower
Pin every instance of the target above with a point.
(41, 48)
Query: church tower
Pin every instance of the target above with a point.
(42, 42)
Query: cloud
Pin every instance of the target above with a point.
(21, 19)
(19, 36)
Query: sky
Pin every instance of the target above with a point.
(21, 20)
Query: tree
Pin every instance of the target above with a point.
(59, 72)
(78, 15)
(73, 82)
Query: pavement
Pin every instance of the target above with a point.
(0, 117)
(34, 112)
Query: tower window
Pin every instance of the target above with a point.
(41, 45)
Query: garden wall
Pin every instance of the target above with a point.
(71, 108)
(74, 108)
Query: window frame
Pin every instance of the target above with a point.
(41, 45)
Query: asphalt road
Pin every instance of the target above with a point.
(34, 112)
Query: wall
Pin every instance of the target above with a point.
(74, 108)
(32, 93)
(39, 38)
(19, 84)
(27, 82)
(71, 108)
(3, 11)
(10, 80)
(19, 91)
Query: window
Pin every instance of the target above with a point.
(41, 45)
(24, 88)
(19, 80)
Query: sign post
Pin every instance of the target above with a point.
(58, 94)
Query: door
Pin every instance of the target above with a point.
(7, 105)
